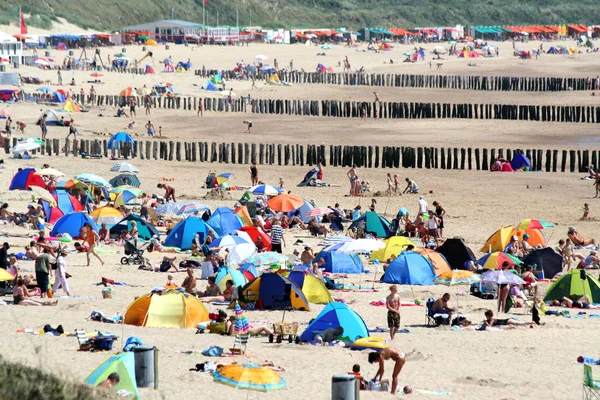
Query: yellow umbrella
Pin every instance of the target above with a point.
(249, 376)
(41, 193)
(5, 275)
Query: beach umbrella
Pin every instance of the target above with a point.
(240, 252)
(124, 167)
(223, 177)
(43, 90)
(241, 323)
(125, 180)
(457, 277)
(93, 179)
(71, 184)
(107, 215)
(261, 57)
(7, 276)
(361, 246)
(41, 61)
(285, 202)
(496, 259)
(192, 208)
(501, 277)
(228, 241)
(266, 190)
(43, 194)
(127, 195)
(49, 172)
(25, 146)
(5, 113)
(143, 91)
(266, 258)
(531, 223)
(249, 376)
(122, 188)
(169, 208)
(128, 92)
(96, 74)
(315, 212)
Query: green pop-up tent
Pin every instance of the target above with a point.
(572, 286)
(124, 365)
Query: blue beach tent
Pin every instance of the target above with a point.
(183, 233)
(409, 268)
(71, 223)
(333, 316)
(339, 263)
(224, 221)
(118, 138)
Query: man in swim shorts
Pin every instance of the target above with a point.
(353, 177)
(392, 302)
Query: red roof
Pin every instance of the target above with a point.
(577, 28)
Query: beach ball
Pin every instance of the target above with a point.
(418, 301)
(407, 390)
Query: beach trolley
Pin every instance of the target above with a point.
(283, 329)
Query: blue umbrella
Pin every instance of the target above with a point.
(264, 189)
(43, 90)
(169, 208)
(228, 241)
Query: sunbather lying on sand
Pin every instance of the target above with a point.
(253, 331)
(583, 302)
(504, 323)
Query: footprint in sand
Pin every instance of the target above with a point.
(488, 382)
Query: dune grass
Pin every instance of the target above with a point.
(355, 14)
(18, 381)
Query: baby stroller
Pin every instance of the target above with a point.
(133, 253)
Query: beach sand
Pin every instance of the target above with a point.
(522, 363)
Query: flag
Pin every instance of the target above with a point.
(22, 20)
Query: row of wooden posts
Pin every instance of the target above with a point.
(354, 109)
(421, 81)
(548, 160)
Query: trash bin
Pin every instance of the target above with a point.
(143, 48)
(146, 366)
(46, 54)
(166, 47)
(344, 387)
(71, 53)
(123, 50)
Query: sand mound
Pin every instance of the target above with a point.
(218, 194)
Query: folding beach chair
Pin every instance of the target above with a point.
(240, 344)
(84, 342)
(591, 384)
(434, 319)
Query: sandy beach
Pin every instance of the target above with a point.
(522, 363)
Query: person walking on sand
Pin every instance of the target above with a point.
(169, 191)
(389, 353)
(392, 303)
(390, 184)
(440, 211)
(353, 177)
(200, 108)
(253, 173)
(148, 104)
(132, 107)
(397, 184)
(91, 237)
(44, 127)
(60, 280)
(253, 83)
(59, 75)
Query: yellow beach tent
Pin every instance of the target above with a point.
(171, 308)
(393, 246)
(311, 286)
(499, 239)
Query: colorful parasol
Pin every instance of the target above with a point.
(229, 241)
(169, 208)
(315, 212)
(93, 179)
(266, 190)
(531, 223)
(124, 167)
(71, 184)
(496, 259)
(127, 195)
(457, 277)
(193, 208)
(502, 277)
(248, 376)
(267, 258)
(285, 202)
(241, 323)
(223, 177)
(361, 246)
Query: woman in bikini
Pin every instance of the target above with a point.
(22, 297)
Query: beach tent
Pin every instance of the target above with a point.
(224, 221)
(520, 161)
(500, 239)
(438, 261)
(335, 315)
(418, 56)
(145, 229)
(184, 232)
(225, 273)
(572, 286)
(211, 87)
(106, 215)
(26, 178)
(393, 246)
(59, 96)
(118, 138)
(304, 210)
(52, 118)
(216, 79)
(409, 268)
(371, 222)
(249, 270)
(312, 174)
(125, 179)
(171, 308)
(124, 365)
(61, 46)
(340, 263)
(456, 252)
(71, 223)
(242, 212)
(254, 232)
(149, 70)
(65, 203)
(311, 286)
(274, 80)
(169, 68)
(272, 291)
(547, 260)
(71, 106)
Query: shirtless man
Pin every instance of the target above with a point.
(189, 283)
(307, 255)
(169, 191)
(583, 302)
(110, 382)
(144, 210)
(440, 306)
(353, 177)
(392, 303)
(389, 353)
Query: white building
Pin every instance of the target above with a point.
(169, 30)
(10, 48)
